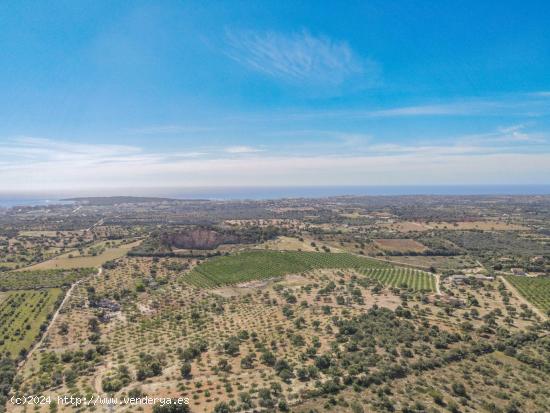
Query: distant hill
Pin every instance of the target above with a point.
(112, 200)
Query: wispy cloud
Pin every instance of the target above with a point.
(169, 129)
(33, 164)
(501, 140)
(517, 133)
(512, 106)
(242, 149)
(512, 134)
(298, 57)
(47, 150)
(21, 152)
(542, 93)
(458, 108)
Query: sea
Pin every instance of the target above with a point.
(263, 193)
(10, 201)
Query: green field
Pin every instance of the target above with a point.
(535, 290)
(401, 277)
(23, 314)
(254, 265)
(23, 280)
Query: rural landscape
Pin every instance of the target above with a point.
(342, 304)
(274, 206)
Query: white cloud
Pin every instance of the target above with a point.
(196, 154)
(361, 170)
(242, 149)
(514, 134)
(512, 107)
(48, 150)
(465, 108)
(169, 129)
(34, 165)
(300, 57)
(459, 108)
(29, 152)
(424, 110)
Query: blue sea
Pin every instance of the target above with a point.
(262, 193)
(9, 202)
(259, 193)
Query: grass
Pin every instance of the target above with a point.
(49, 234)
(254, 265)
(65, 261)
(23, 315)
(402, 277)
(401, 245)
(23, 280)
(535, 290)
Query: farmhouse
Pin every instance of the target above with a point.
(517, 271)
(458, 278)
(483, 277)
(537, 260)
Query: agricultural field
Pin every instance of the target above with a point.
(254, 265)
(290, 306)
(400, 245)
(38, 233)
(21, 280)
(95, 256)
(23, 315)
(535, 290)
(401, 278)
(287, 244)
(440, 263)
(486, 225)
(24, 248)
(280, 345)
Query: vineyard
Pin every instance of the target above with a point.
(255, 265)
(401, 277)
(21, 280)
(23, 314)
(535, 290)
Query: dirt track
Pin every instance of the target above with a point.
(56, 314)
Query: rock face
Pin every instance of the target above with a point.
(200, 239)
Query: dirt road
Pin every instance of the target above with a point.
(52, 321)
(437, 284)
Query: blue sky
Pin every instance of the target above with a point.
(179, 93)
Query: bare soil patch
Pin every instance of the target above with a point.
(288, 244)
(488, 225)
(401, 245)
